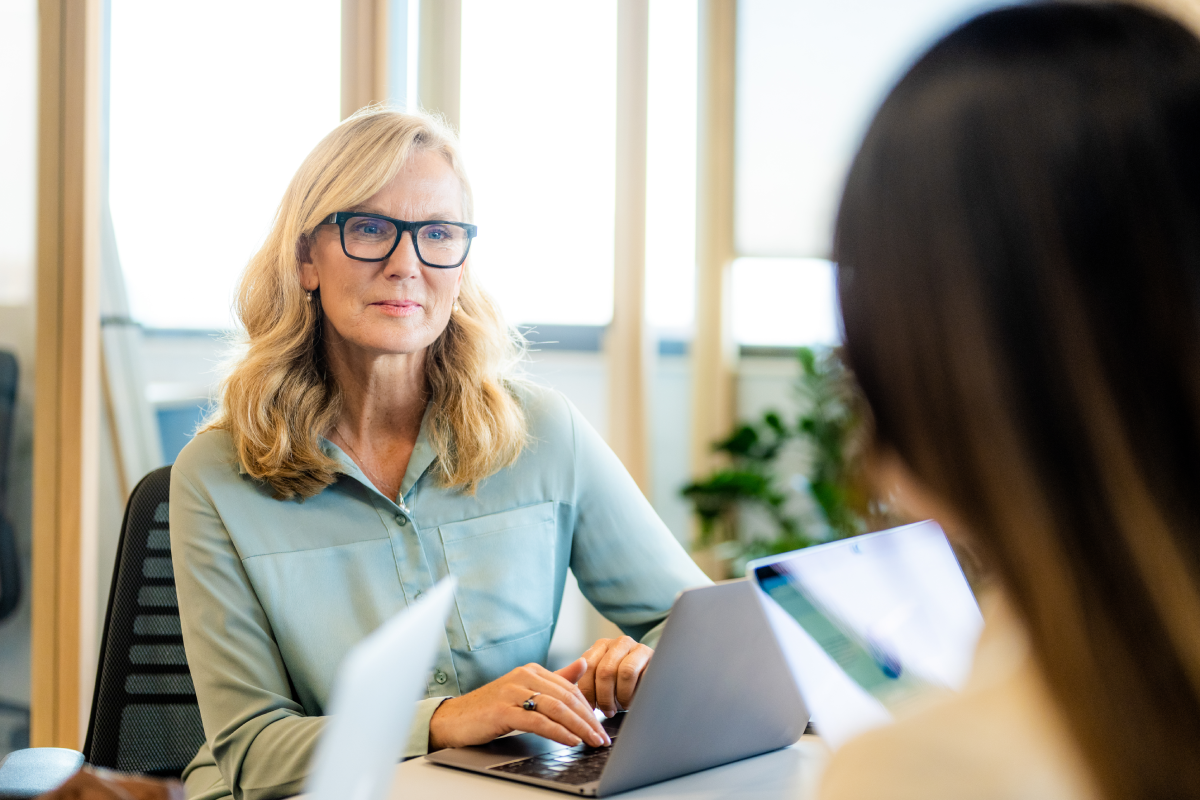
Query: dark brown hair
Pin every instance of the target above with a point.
(1019, 272)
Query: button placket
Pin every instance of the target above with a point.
(412, 567)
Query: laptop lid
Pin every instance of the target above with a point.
(869, 623)
(373, 699)
(717, 690)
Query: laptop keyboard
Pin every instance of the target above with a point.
(571, 765)
(564, 766)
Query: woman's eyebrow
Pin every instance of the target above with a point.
(365, 210)
(440, 215)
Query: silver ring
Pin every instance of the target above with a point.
(529, 705)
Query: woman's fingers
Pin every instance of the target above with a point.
(587, 683)
(607, 674)
(630, 672)
(497, 708)
(562, 682)
(562, 701)
(566, 713)
(535, 722)
(574, 671)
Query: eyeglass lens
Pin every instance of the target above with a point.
(437, 243)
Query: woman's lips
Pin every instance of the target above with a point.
(398, 308)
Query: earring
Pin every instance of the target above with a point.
(308, 296)
(457, 307)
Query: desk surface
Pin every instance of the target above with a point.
(788, 774)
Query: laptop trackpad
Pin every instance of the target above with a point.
(508, 748)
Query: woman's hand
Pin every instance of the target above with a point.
(614, 668)
(496, 708)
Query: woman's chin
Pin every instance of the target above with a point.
(402, 336)
(398, 343)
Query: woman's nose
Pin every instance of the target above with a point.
(403, 262)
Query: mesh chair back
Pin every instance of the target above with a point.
(144, 713)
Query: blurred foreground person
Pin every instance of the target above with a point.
(1019, 271)
(97, 784)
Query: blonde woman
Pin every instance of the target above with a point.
(372, 440)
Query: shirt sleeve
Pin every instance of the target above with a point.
(628, 564)
(260, 737)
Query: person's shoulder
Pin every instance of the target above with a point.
(908, 759)
(993, 743)
(548, 413)
(209, 455)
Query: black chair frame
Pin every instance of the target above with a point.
(144, 713)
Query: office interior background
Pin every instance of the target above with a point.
(655, 184)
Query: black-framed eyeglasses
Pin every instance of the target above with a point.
(374, 237)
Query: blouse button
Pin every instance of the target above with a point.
(401, 520)
(439, 676)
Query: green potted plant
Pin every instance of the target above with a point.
(827, 429)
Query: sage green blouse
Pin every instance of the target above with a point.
(272, 593)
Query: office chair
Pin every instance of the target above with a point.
(10, 559)
(10, 564)
(144, 713)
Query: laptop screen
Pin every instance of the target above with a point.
(873, 622)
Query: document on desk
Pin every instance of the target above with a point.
(871, 625)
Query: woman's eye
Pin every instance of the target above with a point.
(369, 228)
(437, 234)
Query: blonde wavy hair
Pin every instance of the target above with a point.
(278, 398)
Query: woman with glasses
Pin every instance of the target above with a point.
(373, 438)
(1019, 271)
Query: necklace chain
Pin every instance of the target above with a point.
(363, 466)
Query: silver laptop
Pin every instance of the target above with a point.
(717, 690)
(373, 699)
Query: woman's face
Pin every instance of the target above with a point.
(400, 305)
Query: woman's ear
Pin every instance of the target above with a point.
(902, 489)
(909, 496)
(308, 271)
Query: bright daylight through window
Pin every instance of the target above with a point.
(539, 139)
(809, 77)
(214, 105)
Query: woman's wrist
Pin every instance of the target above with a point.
(438, 738)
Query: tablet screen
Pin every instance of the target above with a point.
(892, 610)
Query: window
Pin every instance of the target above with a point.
(539, 137)
(671, 168)
(809, 78)
(213, 107)
(18, 141)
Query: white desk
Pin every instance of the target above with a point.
(788, 774)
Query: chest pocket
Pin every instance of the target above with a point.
(505, 569)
